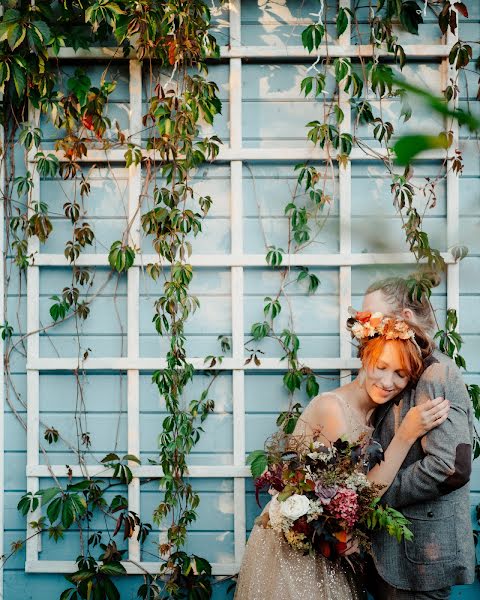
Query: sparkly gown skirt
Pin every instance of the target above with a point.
(272, 570)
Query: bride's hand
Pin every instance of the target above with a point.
(424, 417)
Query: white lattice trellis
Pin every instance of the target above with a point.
(234, 154)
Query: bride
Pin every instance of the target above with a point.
(392, 353)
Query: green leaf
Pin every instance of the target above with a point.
(68, 512)
(411, 16)
(258, 461)
(16, 35)
(82, 575)
(111, 457)
(48, 494)
(342, 21)
(69, 594)
(133, 458)
(80, 85)
(28, 502)
(307, 38)
(312, 388)
(55, 532)
(53, 509)
(111, 590)
(292, 381)
(339, 116)
(408, 146)
(113, 569)
(284, 495)
(19, 79)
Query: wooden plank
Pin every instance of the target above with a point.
(453, 185)
(33, 544)
(345, 213)
(250, 260)
(270, 53)
(140, 568)
(142, 471)
(227, 154)
(133, 300)
(152, 364)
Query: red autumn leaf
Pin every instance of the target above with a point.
(171, 52)
(87, 121)
(462, 9)
(453, 21)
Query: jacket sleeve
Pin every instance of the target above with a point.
(447, 463)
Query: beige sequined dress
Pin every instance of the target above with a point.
(272, 570)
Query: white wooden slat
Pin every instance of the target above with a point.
(425, 51)
(453, 187)
(133, 299)
(235, 90)
(345, 211)
(33, 544)
(65, 566)
(238, 395)
(277, 154)
(235, 17)
(251, 260)
(140, 471)
(151, 364)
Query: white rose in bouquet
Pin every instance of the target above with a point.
(295, 506)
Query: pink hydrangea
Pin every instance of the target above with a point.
(345, 506)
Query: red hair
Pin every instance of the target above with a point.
(411, 358)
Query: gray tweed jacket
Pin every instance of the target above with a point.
(431, 489)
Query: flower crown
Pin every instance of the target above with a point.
(367, 325)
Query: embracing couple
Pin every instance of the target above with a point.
(412, 400)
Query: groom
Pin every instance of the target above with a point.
(431, 488)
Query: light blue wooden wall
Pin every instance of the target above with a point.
(274, 114)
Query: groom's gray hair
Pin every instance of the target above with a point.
(397, 293)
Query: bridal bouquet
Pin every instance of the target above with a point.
(321, 495)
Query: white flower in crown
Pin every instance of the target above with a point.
(295, 506)
(400, 331)
(358, 331)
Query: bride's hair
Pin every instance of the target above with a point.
(412, 353)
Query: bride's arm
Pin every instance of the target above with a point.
(416, 423)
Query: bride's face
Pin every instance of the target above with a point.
(387, 378)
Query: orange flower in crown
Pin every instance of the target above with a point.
(366, 325)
